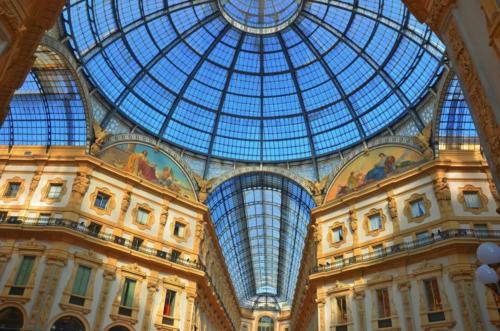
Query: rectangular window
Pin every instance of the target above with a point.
(375, 222)
(175, 255)
(342, 310)
(94, 228)
(383, 303)
(54, 191)
(23, 275)
(3, 216)
(338, 234)
(472, 200)
(378, 249)
(432, 295)
(12, 190)
(142, 216)
(80, 285)
(422, 236)
(127, 298)
(44, 218)
(417, 208)
(179, 229)
(136, 243)
(101, 200)
(339, 261)
(169, 307)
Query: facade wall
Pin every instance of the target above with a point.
(61, 233)
(439, 245)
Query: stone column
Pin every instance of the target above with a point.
(56, 261)
(109, 276)
(321, 313)
(191, 296)
(359, 296)
(404, 287)
(152, 289)
(462, 277)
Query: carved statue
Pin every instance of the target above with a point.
(126, 201)
(353, 220)
(164, 216)
(204, 185)
(393, 211)
(100, 135)
(423, 140)
(443, 193)
(317, 189)
(35, 181)
(81, 184)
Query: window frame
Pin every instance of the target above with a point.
(408, 207)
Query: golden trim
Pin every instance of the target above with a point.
(483, 199)
(109, 206)
(46, 189)
(329, 237)
(151, 218)
(407, 208)
(366, 222)
(187, 230)
(5, 187)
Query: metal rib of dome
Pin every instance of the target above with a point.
(338, 74)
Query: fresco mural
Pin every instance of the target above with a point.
(368, 168)
(149, 164)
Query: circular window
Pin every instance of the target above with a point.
(11, 319)
(260, 16)
(68, 323)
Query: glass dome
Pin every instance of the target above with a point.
(338, 74)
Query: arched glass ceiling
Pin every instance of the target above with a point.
(47, 110)
(456, 127)
(261, 221)
(340, 73)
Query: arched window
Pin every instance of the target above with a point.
(68, 323)
(266, 324)
(119, 328)
(11, 319)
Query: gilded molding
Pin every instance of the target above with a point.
(408, 209)
(46, 189)
(151, 217)
(329, 237)
(482, 198)
(187, 230)
(109, 206)
(366, 222)
(5, 187)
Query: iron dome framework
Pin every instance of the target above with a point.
(335, 76)
(261, 221)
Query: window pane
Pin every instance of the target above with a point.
(12, 190)
(101, 200)
(432, 294)
(417, 208)
(127, 299)
(24, 272)
(142, 216)
(169, 308)
(384, 309)
(375, 222)
(54, 191)
(81, 281)
(472, 200)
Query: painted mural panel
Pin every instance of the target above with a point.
(149, 164)
(371, 167)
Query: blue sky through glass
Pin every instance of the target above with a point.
(339, 74)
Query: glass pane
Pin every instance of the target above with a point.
(24, 272)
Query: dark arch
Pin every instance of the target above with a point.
(68, 323)
(118, 328)
(11, 319)
(266, 323)
(261, 220)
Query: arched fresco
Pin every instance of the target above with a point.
(372, 166)
(150, 164)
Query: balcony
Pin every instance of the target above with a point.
(408, 247)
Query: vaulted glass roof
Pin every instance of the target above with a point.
(261, 221)
(333, 76)
(456, 127)
(47, 109)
